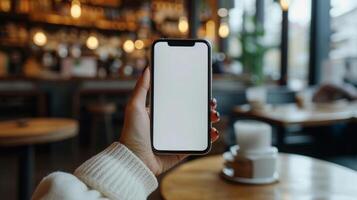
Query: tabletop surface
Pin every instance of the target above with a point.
(301, 177)
(315, 115)
(36, 130)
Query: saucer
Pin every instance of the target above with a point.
(227, 174)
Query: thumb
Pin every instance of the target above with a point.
(141, 88)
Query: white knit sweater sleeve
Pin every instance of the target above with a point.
(115, 173)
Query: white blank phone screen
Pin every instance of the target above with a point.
(180, 121)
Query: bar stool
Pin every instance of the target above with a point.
(101, 114)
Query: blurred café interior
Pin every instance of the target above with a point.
(67, 69)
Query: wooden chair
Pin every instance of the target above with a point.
(101, 114)
(21, 98)
(103, 101)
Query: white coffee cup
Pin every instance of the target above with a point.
(253, 160)
(256, 97)
(253, 135)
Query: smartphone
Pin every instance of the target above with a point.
(180, 96)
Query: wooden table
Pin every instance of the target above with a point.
(283, 116)
(301, 177)
(26, 133)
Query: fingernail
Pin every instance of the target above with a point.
(214, 135)
(218, 115)
(214, 102)
(215, 132)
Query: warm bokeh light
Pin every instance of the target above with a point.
(223, 30)
(210, 29)
(5, 5)
(76, 51)
(183, 25)
(284, 4)
(40, 38)
(128, 46)
(76, 10)
(222, 12)
(92, 42)
(139, 44)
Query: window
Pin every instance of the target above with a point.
(343, 53)
(344, 28)
(272, 39)
(299, 42)
(299, 36)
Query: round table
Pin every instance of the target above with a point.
(27, 132)
(301, 177)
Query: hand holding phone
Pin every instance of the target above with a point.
(136, 131)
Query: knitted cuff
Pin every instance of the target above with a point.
(118, 174)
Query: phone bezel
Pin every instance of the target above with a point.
(180, 42)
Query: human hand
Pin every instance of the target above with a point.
(136, 131)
